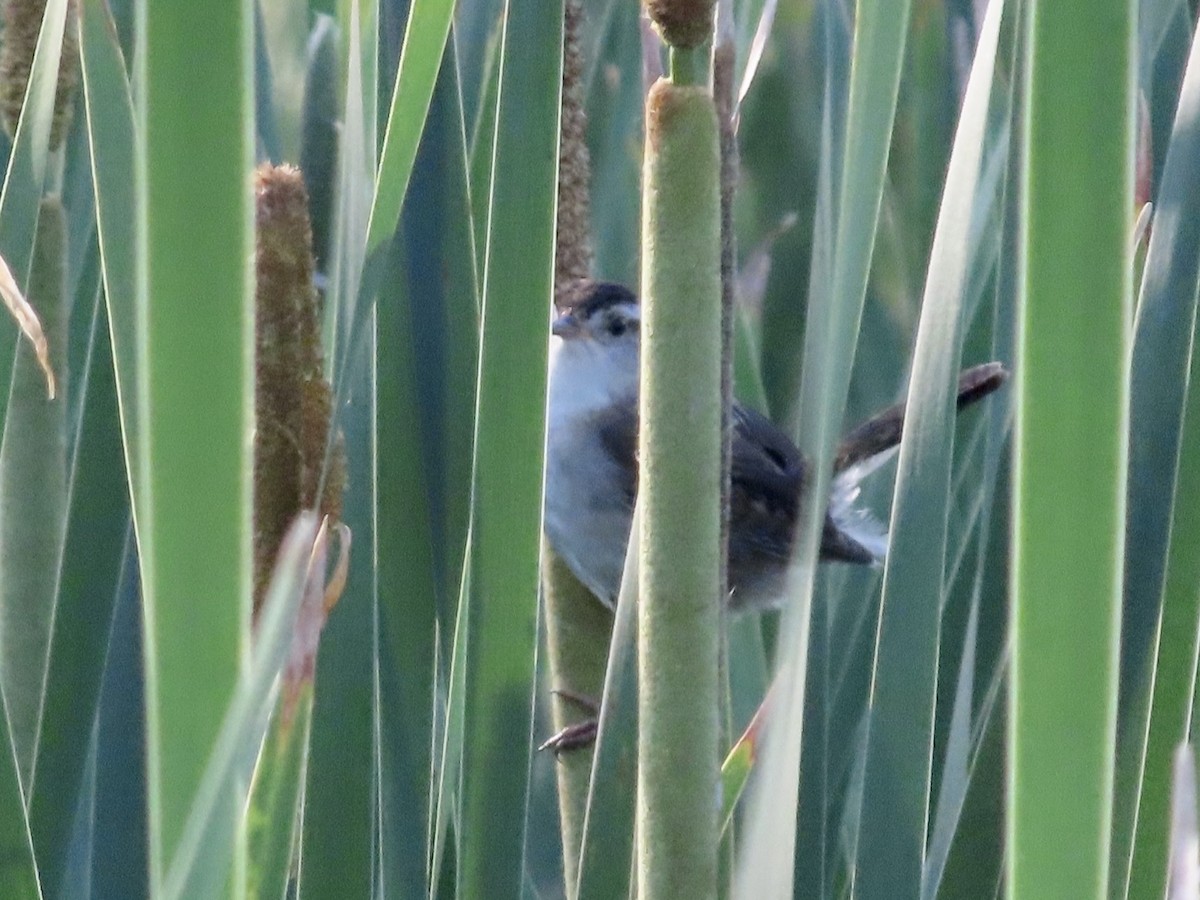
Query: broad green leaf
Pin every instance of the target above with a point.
(195, 392)
(1072, 395)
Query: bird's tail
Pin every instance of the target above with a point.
(869, 446)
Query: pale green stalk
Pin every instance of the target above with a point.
(680, 453)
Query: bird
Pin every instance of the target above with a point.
(592, 470)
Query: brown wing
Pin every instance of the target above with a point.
(767, 475)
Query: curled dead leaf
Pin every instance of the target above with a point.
(27, 321)
(337, 581)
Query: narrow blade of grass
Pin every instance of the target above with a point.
(1159, 632)
(424, 41)
(94, 554)
(339, 827)
(18, 874)
(614, 136)
(341, 791)
(447, 775)
(509, 443)
(606, 851)
(834, 313)
(274, 808)
(110, 127)
(120, 866)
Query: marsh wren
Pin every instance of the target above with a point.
(592, 471)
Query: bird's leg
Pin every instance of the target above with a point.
(579, 734)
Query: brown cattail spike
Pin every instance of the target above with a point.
(293, 402)
(573, 259)
(22, 24)
(682, 23)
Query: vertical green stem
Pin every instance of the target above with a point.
(1072, 435)
(680, 451)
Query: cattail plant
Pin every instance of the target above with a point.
(295, 465)
(22, 26)
(679, 554)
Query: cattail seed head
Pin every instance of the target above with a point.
(682, 23)
(22, 24)
(573, 257)
(293, 402)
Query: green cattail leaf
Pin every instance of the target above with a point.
(319, 134)
(33, 495)
(897, 782)
(274, 811)
(194, 240)
(200, 865)
(18, 874)
(25, 178)
(852, 182)
(94, 562)
(109, 110)
(1072, 393)
(1162, 576)
(424, 41)
(509, 446)
(607, 846)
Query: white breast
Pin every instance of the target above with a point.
(586, 516)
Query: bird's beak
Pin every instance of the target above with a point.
(566, 326)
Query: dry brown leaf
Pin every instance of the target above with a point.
(27, 321)
(337, 581)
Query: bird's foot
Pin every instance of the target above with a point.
(578, 735)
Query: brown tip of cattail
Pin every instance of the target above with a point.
(293, 403)
(22, 24)
(573, 258)
(682, 23)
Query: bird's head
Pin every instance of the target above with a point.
(596, 356)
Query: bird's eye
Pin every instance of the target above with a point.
(616, 327)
